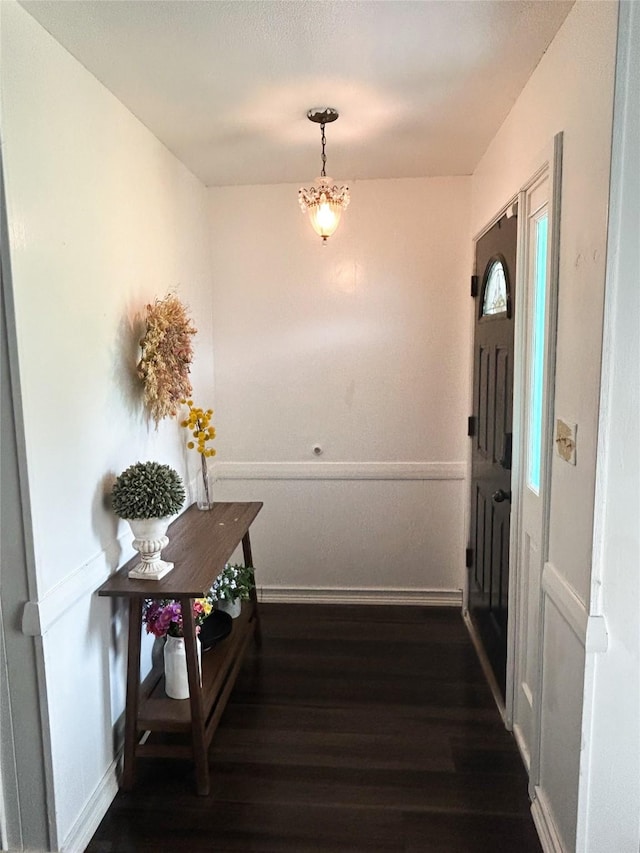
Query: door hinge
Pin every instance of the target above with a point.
(471, 426)
(468, 557)
(474, 286)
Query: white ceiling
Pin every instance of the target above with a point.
(421, 85)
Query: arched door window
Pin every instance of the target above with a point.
(495, 298)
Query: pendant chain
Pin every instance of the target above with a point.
(323, 173)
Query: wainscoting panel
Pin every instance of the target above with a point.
(356, 528)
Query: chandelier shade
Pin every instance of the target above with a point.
(324, 201)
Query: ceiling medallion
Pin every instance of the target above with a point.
(324, 201)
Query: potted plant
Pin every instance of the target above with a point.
(163, 618)
(232, 586)
(146, 495)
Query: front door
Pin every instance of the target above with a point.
(491, 433)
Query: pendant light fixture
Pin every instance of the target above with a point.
(325, 201)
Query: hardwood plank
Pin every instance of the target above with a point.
(334, 740)
(468, 833)
(402, 790)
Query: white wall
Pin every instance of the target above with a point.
(610, 790)
(359, 346)
(571, 90)
(102, 220)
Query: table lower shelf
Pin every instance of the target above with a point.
(220, 667)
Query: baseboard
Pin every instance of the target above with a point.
(522, 746)
(338, 595)
(547, 832)
(486, 667)
(89, 819)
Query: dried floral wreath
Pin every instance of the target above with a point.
(166, 356)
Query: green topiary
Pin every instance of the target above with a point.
(147, 490)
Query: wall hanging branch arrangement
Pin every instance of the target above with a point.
(166, 355)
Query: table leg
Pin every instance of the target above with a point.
(199, 747)
(133, 691)
(253, 595)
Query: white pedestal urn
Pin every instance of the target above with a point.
(233, 607)
(150, 538)
(176, 680)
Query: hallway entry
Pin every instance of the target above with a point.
(491, 431)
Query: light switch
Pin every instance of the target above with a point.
(566, 441)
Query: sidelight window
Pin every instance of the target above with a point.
(536, 353)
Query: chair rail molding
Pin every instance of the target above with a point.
(591, 630)
(40, 614)
(321, 470)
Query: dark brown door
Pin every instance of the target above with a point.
(491, 431)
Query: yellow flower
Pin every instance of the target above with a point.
(198, 422)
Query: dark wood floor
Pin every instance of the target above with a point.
(355, 729)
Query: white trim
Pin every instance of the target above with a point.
(504, 209)
(591, 631)
(486, 667)
(9, 800)
(341, 595)
(30, 817)
(517, 468)
(91, 815)
(621, 269)
(522, 746)
(339, 470)
(39, 615)
(546, 169)
(551, 333)
(545, 825)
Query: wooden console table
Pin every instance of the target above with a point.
(200, 543)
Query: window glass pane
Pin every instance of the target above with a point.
(536, 354)
(495, 291)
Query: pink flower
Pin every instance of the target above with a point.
(164, 616)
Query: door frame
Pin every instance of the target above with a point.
(27, 806)
(548, 162)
